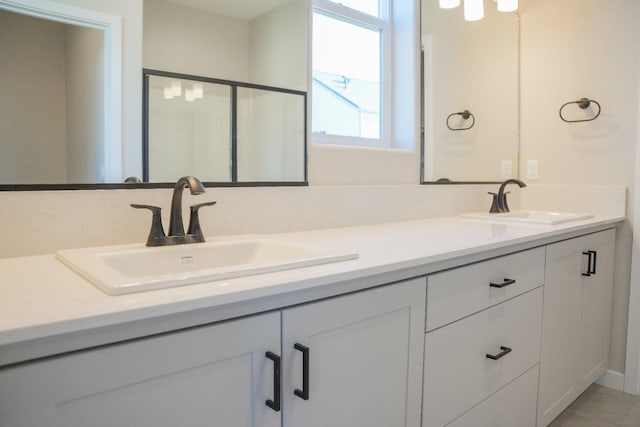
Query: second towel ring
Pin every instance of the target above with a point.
(466, 114)
(583, 103)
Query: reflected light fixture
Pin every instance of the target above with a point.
(198, 90)
(507, 5)
(176, 88)
(168, 93)
(473, 10)
(188, 95)
(449, 4)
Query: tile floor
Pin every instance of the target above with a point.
(601, 407)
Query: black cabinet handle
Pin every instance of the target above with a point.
(506, 282)
(304, 393)
(275, 403)
(588, 273)
(593, 264)
(504, 351)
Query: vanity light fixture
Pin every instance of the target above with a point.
(473, 10)
(449, 4)
(188, 95)
(168, 93)
(507, 5)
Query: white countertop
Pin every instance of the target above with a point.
(42, 299)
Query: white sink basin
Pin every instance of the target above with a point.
(530, 217)
(133, 268)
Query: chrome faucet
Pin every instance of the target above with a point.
(499, 203)
(177, 236)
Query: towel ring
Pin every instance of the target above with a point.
(466, 115)
(583, 103)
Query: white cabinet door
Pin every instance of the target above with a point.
(576, 319)
(560, 328)
(209, 376)
(595, 316)
(364, 365)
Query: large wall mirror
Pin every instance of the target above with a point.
(60, 126)
(470, 95)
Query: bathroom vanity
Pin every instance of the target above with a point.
(448, 321)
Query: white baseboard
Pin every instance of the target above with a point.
(612, 379)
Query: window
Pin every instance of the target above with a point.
(351, 72)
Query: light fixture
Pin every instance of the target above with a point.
(198, 90)
(473, 10)
(449, 4)
(168, 93)
(507, 5)
(188, 95)
(176, 88)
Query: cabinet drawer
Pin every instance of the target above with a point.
(458, 374)
(513, 405)
(454, 294)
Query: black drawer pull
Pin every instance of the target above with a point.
(304, 393)
(275, 403)
(504, 351)
(506, 282)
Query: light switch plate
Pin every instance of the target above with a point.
(533, 171)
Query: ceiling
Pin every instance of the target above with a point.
(241, 9)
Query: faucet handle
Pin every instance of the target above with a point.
(157, 237)
(495, 206)
(194, 231)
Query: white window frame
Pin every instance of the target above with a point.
(383, 24)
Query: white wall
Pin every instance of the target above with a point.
(85, 105)
(584, 48)
(131, 13)
(184, 40)
(278, 47)
(32, 100)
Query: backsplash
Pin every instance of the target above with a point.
(42, 222)
(45, 221)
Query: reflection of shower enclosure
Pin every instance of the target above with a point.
(222, 131)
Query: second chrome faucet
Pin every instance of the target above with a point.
(177, 236)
